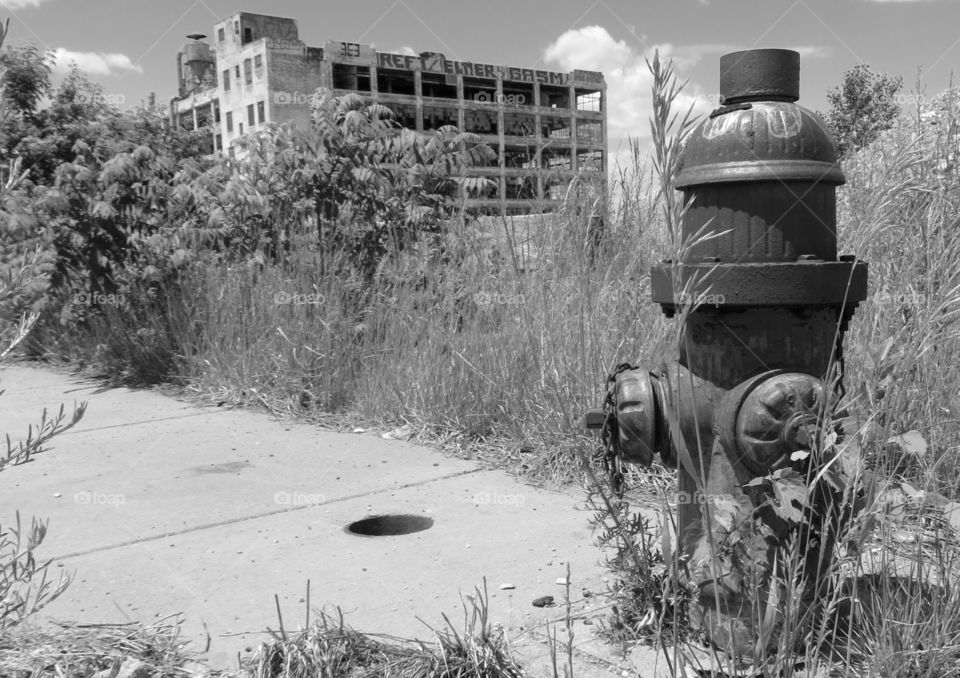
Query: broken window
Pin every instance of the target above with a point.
(555, 127)
(519, 124)
(435, 117)
(226, 80)
(521, 187)
(590, 160)
(554, 188)
(556, 158)
(590, 131)
(247, 72)
(251, 120)
(480, 121)
(524, 157)
(229, 121)
(261, 112)
(258, 66)
(404, 115)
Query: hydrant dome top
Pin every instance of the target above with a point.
(760, 134)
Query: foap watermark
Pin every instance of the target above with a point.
(99, 299)
(491, 97)
(99, 499)
(500, 499)
(700, 498)
(298, 499)
(296, 98)
(498, 299)
(100, 98)
(701, 299)
(900, 298)
(298, 299)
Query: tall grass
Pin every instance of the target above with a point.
(504, 337)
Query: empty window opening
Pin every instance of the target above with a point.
(517, 93)
(480, 90)
(355, 78)
(554, 97)
(394, 81)
(438, 85)
(588, 100)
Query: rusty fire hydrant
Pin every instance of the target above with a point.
(764, 303)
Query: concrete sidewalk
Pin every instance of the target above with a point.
(157, 506)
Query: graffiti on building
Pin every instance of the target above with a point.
(436, 63)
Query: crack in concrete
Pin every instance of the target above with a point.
(134, 423)
(264, 514)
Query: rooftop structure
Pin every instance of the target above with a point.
(546, 126)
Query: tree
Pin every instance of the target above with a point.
(862, 106)
(25, 77)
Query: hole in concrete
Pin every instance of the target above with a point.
(389, 525)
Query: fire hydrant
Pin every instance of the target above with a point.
(764, 303)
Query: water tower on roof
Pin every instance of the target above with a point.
(196, 66)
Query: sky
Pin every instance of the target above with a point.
(129, 46)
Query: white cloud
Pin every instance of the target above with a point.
(812, 52)
(629, 100)
(19, 4)
(94, 63)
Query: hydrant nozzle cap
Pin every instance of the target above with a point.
(760, 74)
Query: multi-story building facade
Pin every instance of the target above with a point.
(547, 127)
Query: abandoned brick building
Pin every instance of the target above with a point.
(546, 126)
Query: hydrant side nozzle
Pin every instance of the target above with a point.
(768, 417)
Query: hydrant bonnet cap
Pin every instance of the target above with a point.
(769, 74)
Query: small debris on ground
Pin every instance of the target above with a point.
(507, 587)
(404, 432)
(543, 601)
